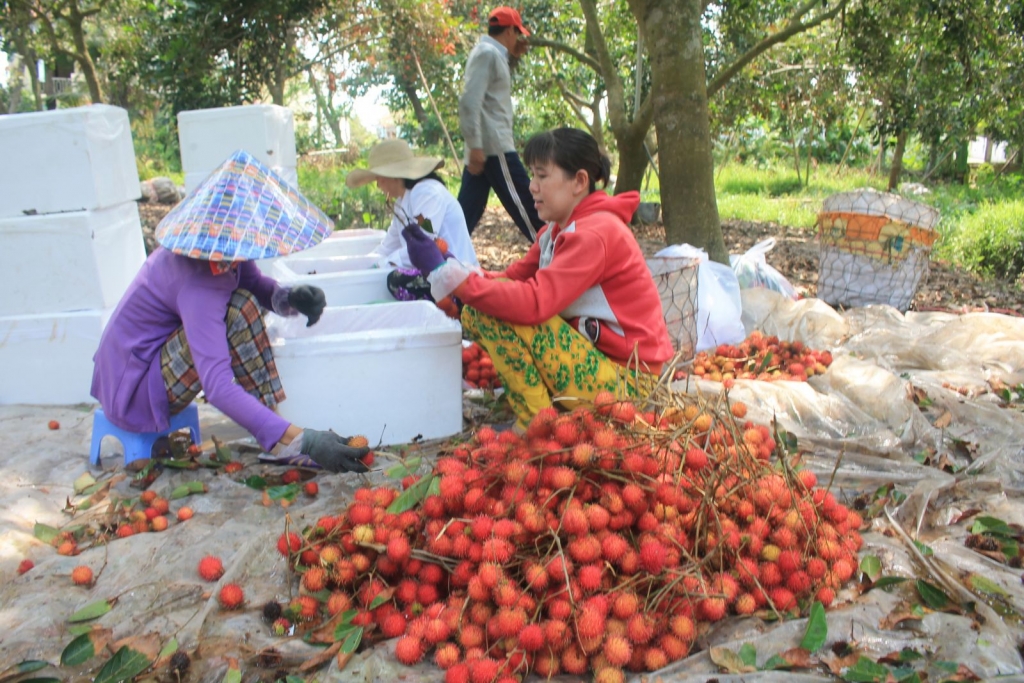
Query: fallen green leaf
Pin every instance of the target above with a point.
(45, 532)
(729, 661)
(125, 665)
(992, 526)
(286, 492)
(985, 585)
(352, 641)
(85, 647)
(255, 482)
(933, 596)
(775, 662)
(748, 654)
(871, 567)
(405, 469)
(412, 496)
(888, 581)
(187, 489)
(21, 668)
(169, 649)
(84, 481)
(93, 610)
(866, 671)
(817, 629)
(233, 675)
(924, 550)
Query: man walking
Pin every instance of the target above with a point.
(485, 116)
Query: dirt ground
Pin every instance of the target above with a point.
(795, 255)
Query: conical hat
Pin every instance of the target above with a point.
(242, 212)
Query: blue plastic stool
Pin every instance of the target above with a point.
(138, 445)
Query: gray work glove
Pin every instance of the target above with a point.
(332, 452)
(307, 300)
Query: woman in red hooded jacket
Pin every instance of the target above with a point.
(580, 313)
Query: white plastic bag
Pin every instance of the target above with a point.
(752, 270)
(718, 298)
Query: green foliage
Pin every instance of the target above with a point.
(323, 183)
(989, 240)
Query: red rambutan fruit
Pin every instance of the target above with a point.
(652, 556)
(211, 568)
(288, 543)
(782, 599)
(231, 596)
(640, 629)
(409, 650)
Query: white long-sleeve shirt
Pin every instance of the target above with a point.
(485, 107)
(432, 200)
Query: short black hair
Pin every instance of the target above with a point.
(572, 150)
(411, 182)
(495, 30)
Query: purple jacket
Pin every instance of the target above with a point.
(171, 291)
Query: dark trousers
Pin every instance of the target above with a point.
(507, 176)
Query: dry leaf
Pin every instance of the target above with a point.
(148, 644)
(943, 420)
(798, 658)
(897, 617)
(839, 664)
(343, 659)
(320, 659)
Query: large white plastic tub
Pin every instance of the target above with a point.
(69, 261)
(346, 280)
(354, 242)
(390, 372)
(47, 359)
(209, 136)
(341, 243)
(66, 160)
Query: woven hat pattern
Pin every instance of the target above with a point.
(242, 212)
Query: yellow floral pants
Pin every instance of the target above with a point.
(549, 364)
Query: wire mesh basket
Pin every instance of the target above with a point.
(875, 248)
(676, 278)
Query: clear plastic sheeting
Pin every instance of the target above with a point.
(908, 406)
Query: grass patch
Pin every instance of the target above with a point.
(988, 240)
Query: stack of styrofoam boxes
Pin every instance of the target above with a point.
(209, 136)
(70, 244)
(369, 353)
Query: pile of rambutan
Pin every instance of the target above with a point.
(759, 357)
(478, 368)
(601, 540)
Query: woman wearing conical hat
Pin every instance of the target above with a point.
(419, 197)
(192, 319)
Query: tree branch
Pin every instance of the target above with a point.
(794, 26)
(571, 51)
(573, 103)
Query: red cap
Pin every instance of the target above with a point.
(506, 16)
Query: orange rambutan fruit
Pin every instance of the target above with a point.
(682, 627)
(655, 658)
(625, 604)
(745, 604)
(617, 650)
(584, 549)
(314, 580)
(711, 609)
(81, 575)
(613, 547)
(640, 628)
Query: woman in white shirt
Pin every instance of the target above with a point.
(420, 197)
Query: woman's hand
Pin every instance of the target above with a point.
(423, 250)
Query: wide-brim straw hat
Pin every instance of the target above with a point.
(393, 159)
(243, 211)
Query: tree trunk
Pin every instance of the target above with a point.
(675, 45)
(76, 22)
(897, 160)
(632, 161)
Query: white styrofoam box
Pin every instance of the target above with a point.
(288, 173)
(390, 371)
(47, 359)
(66, 160)
(209, 136)
(69, 261)
(346, 280)
(355, 242)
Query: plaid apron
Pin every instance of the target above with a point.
(252, 359)
(542, 364)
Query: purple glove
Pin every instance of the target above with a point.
(423, 251)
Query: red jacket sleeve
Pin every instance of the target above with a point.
(543, 292)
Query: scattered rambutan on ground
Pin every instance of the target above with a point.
(211, 568)
(231, 596)
(291, 476)
(25, 565)
(184, 513)
(81, 575)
